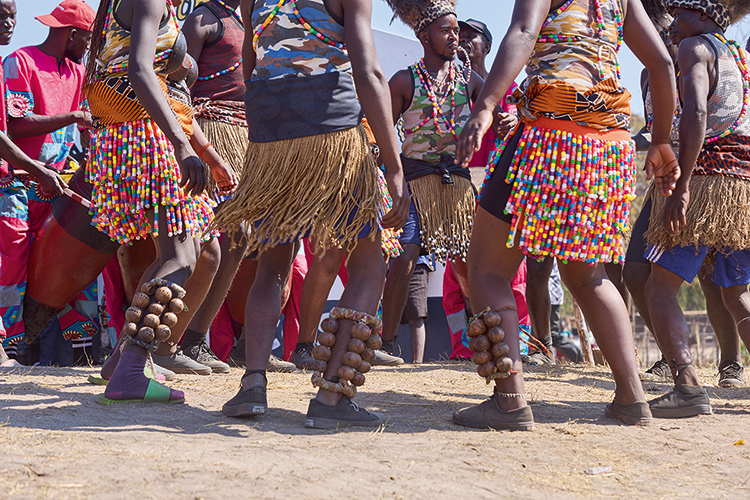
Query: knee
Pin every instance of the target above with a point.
(736, 300)
(211, 255)
(635, 275)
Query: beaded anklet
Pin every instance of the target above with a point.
(511, 395)
(358, 317)
(342, 386)
(486, 340)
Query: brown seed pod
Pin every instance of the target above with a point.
(321, 353)
(374, 342)
(162, 333)
(367, 354)
(476, 328)
(176, 306)
(486, 369)
(346, 372)
(364, 367)
(319, 366)
(133, 314)
(330, 325)
(358, 380)
(130, 329)
(492, 319)
(481, 343)
(148, 289)
(356, 345)
(151, 320)
(146, 333)
(169, 319)
(496, 334)
(500, 350)
(481, 357)
(141, 300)
(327, 339)
(352, 359)
(156, 308)
(163, 294)
(361, 331)
(504, 365)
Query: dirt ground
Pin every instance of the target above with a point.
(56, 442)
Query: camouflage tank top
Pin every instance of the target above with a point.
(427, 143)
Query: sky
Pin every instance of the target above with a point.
(495, 13)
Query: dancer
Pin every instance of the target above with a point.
(571, 58)
(706, 212)
(431, 101)
(312, 173)
(148, 180)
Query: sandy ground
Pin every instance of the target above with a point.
(56, 442)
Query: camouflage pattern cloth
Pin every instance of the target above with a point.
(427, 143)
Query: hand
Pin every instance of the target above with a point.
(503, 123)
(225, 177)
(192, 171)
(470, 139)
(662, 165)
(83, 119)
(674, 210)
(49, 180)
(399, 213)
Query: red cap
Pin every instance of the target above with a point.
(70, 13)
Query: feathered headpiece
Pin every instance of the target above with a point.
(724, 12)
(417, 14)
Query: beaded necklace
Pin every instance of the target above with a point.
(318, 34)
(734, 49)
(600, 27)
(235, 65)
(437, 113)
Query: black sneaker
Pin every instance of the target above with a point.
(488, 415)
(204, 355)
(730, 375)
(302, 356)
(247, 403)
(681, 401)
(236, 357)
(658, 372)
(345, 414)
(537, 358)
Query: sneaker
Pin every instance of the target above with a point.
(632, 414)
(490, 415)
(730, 375)
(279, 365)
(537, 358)
(658, 372)
(247, 403)
(302, 356)
(236, 357)
(346, 413)
(204, 355)
(679, 402)
(179, 363)
(385, 357)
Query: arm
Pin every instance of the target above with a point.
(643, 138)
(648, 47)
(199, 28)
(48, 179)
(34, 125)
(146, 16)
(400, 87)
(512, 55)
(694, 58)
(374, 95)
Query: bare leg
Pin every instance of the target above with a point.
(615, 275)
(722, 321)
(635, 275)
(737, 302)
(537, 296)
(318, 282)
(396, 289)
(418, 336)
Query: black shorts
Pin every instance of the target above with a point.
(637, 245)
(496, 191)
(416, 301)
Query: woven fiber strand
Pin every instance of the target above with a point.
(307, 184)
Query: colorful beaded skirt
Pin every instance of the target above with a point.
(133, 168)
(572, 188)
(389, 239)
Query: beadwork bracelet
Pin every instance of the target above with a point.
(341, 386)
(203, 150)
(150, 346)
(358, 317)
(177, 289)
(511, 395)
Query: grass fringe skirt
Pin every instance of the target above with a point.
(325, 185)
(230, 141)
(446, 215)
(718, 215)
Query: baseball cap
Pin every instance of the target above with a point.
(477, 26)
(70, 13)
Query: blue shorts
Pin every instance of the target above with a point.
(730, 269)
(410, 231)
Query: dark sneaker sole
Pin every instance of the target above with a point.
(731, 383)
(244, 410)
(684, 412)
(500, 426)
(627, 419)
(333, 423)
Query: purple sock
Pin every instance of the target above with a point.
(128, 381)
(108, 368)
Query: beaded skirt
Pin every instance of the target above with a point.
(572, 188)
(133, 168)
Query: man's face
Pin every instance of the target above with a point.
(7, 20)
(473, 42)
(441, 37)
(686, 23)
(78, 44)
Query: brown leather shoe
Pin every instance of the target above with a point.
(632, 414)
(490, 415)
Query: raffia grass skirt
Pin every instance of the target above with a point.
(230, 141)
(323, 185)
(718, 215)
(446, 215)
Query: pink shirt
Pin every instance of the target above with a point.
(34, 84)
(4, 130)
(481, 157)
